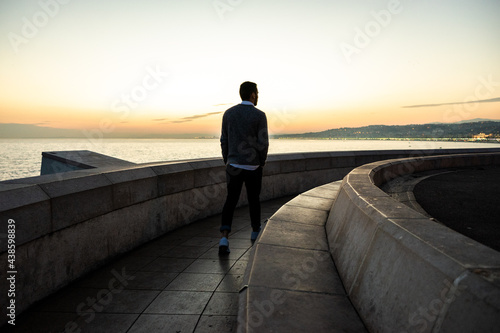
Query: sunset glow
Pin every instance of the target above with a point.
(173, 67)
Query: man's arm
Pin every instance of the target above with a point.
(224, 144)
(263, 140)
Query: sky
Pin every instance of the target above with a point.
(123, 67)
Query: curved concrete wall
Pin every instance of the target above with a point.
(404, 272)
(70, 223)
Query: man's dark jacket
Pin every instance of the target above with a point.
(244, 139)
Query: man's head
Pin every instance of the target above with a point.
(249, 92)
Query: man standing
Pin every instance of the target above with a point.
(244, 141)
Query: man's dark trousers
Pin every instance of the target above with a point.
(253, 183)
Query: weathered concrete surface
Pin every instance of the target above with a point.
(63, 161)
(291, 283)
(93, 215)
(404, 272)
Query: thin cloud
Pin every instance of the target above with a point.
(491, 100)
(43, 123)
(222, 104)
(201, 115)
(160, 119)
(198, 116)
(179, 121)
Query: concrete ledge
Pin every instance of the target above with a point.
(291, 283)
(70, 223)
(63, 161)
(404, 272)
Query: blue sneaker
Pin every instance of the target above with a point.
(224, 246)
(254, 235)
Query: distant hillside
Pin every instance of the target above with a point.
(426, 131)
(34, 131)
(29, 131)
(475, 120)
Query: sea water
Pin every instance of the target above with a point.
(21, 158)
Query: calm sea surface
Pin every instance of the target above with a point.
(21, 158)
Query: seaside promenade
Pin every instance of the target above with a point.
(176, 283)
(335, 254)
(179, 283)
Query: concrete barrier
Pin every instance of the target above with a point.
(291, 283)
(70, 223)
(404, 272)
(63, 161)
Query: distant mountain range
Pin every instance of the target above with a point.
(476, 120)
(462, 129)
(29, 131)
(34, 131)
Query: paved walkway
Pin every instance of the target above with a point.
(176, 283)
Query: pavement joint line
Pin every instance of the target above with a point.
(299, 206)
(301, 223)
(312, 195)
(215, 290)
(296, 290)
(295, 247)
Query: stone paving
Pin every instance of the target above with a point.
(176, 283)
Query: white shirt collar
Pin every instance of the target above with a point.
(247, 103)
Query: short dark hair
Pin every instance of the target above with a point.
(246, 90)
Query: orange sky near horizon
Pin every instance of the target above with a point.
(279, 121)
(174, 67)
